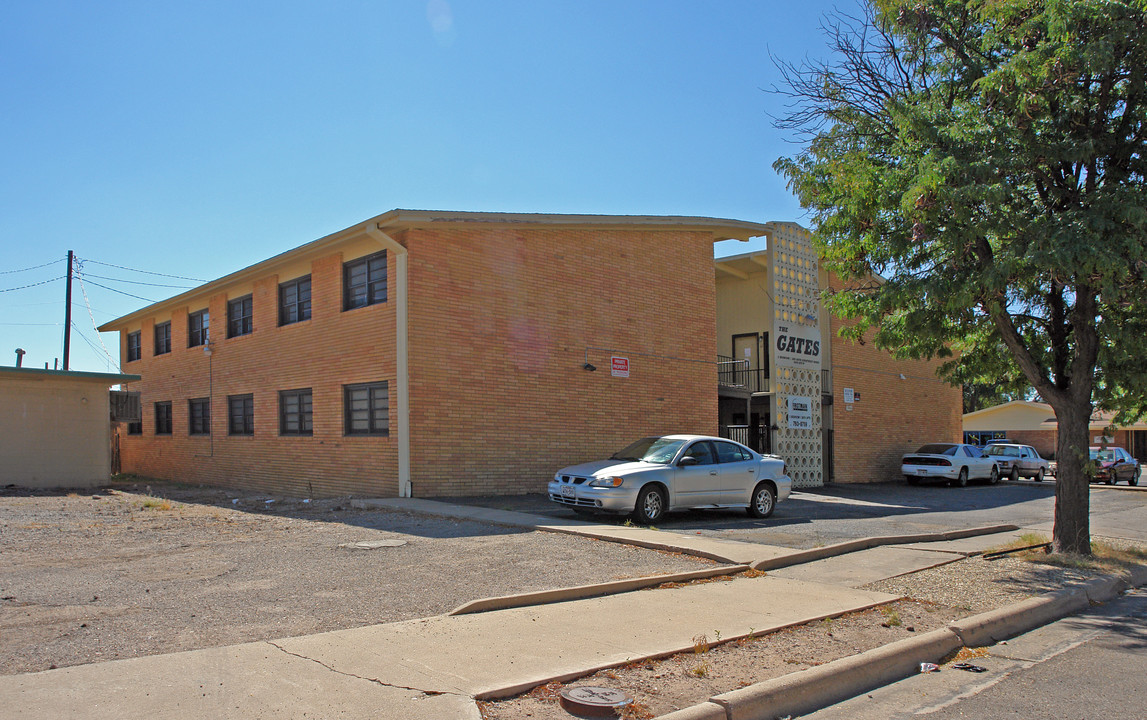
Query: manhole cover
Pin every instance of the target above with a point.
(373, 544)
(594, 701)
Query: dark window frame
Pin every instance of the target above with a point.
(199, 416)
(134, 345)
(244, 419)
(163, 338)
(163, 418)
(198, 328)
(135, 427)
(297, 308)
(371, 287)
(302, 416)
(242, 323)
(377, 409)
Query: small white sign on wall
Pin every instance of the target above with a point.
(800, 413)
(848, 396)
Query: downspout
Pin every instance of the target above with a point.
(401, 356)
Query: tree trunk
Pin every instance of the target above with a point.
(1072, 530)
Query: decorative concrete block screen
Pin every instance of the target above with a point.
(796, 355)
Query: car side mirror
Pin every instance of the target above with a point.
(686, 461)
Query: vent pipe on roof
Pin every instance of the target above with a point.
(19, 357)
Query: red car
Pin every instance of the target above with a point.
(1114, 464)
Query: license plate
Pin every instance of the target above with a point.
(922, 471)
(567, 491)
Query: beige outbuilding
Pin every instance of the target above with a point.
(55, 428)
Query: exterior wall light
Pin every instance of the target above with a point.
(589, 367)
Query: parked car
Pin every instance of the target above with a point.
(1115, 464)
(656, 475)
(955, 463)
(1016, 461)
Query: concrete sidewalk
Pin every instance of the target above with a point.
(433, 668)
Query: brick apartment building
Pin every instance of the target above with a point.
(430, 353)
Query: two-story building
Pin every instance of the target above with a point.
(431, 353)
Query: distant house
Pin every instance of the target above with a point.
(1034, 423)
(56, 427)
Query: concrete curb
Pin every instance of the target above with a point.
(804, 556)
(809, 690)
(579, 592)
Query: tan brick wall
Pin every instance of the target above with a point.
(331, 349)
(893, 416)
(500, 323)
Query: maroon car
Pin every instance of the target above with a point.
(1114, 464)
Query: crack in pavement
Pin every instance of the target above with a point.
(429, 693)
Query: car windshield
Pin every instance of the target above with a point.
(651, 449)
(938, 449)
(1003, 450)
(1102, 455)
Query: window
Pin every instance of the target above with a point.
(295, 301)
(163, 338)
(163, 418)
(239, 312)
(366, 409)
(295, 412)
(364, 281)
(701, 452)
(241, 415)
(133, 346)
(199, 416)
(728, 452)
(135, 428)
(197, 328)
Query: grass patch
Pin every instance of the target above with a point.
(1104, 556)
(153, 503)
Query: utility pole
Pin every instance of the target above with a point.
(68, 313)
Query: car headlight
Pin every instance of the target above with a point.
(606, 482)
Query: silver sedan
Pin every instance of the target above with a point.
(674, 472)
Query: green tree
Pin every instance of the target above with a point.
(986, 157)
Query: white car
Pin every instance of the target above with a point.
(952, 462)
(674, 472)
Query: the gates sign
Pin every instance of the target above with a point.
(797, 346)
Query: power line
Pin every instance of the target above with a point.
(95, 349)
(121, 292)
(34, 267)
(134, 282)
(88, 305)
(146, 272)
(25, 287)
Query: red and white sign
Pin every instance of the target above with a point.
(619, 366)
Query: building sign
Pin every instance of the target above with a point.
(797, 346)
(619, 366)
(851, 396)
(800, 412)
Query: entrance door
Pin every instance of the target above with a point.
(747, 347)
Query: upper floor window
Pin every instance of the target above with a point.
(199, 416)
(295, 412)
(163, 418)
(366, 409)
(364, 281)
(239, 313)
(197, 328)
(295, 300)
(134, 343)
(163, 338)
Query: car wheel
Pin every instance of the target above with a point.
(1039, 476)
(994, 476)
(1111, 478)
(962, 479)
(1015, 475)
(1135, 476)
(763, 502)
(651, 504)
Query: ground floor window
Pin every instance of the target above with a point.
(241, 414)
(199, 416)
(163, 418)
(366, 409)
(295, 412)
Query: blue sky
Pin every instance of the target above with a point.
(194, 139)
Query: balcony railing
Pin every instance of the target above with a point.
(737, 374)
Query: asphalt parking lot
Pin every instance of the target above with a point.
(822, 516)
